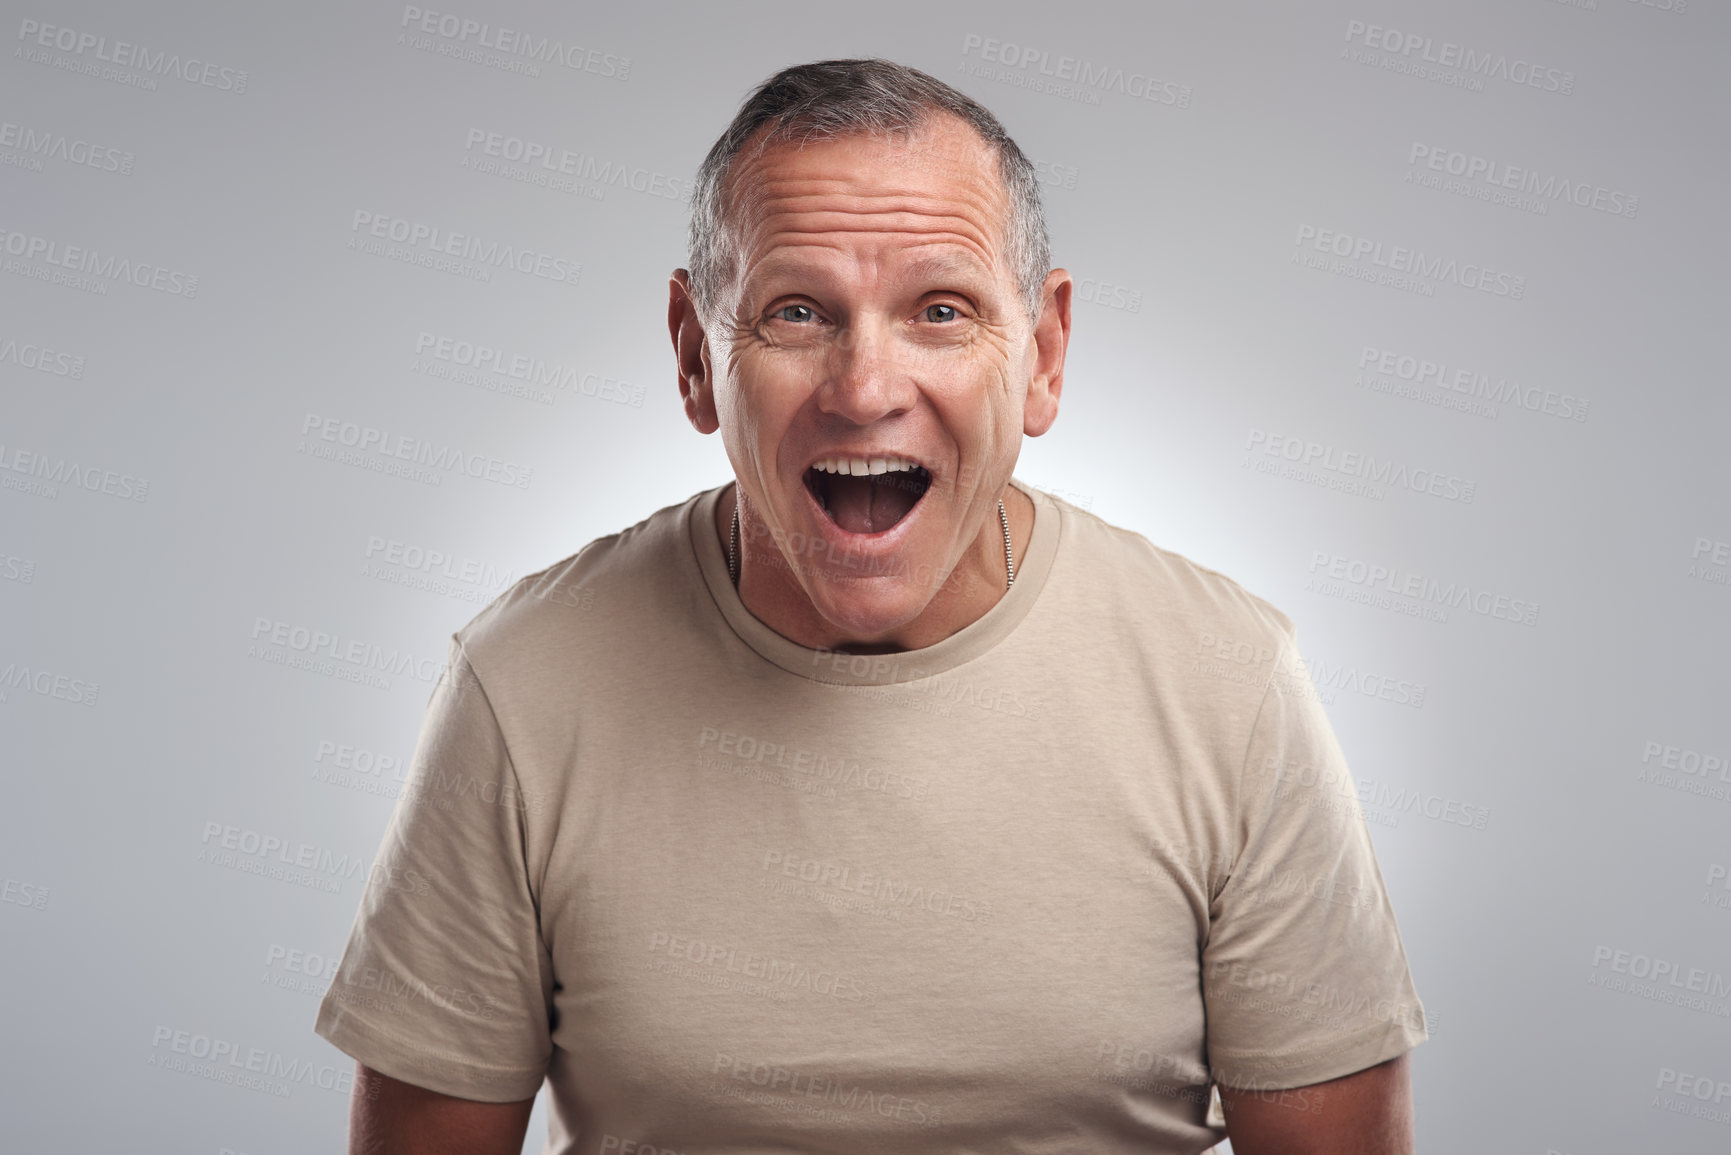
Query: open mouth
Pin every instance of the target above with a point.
(867, 495)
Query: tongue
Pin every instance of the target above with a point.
(866, 504)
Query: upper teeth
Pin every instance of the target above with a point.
(862, 466)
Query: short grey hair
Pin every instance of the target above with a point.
(835, 98)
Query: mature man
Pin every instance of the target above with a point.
(876, 802)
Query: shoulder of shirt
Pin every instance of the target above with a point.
(1128, 561)
(581, 597)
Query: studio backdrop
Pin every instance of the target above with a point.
(323, 323)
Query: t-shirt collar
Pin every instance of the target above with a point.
(1033, 565)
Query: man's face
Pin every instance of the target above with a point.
(874, 318)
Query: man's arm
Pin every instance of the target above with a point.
(390, 1117)
(1366, 1113)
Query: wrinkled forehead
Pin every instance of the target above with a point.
(936, 186)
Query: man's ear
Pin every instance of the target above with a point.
(1051, 341)
(691, 354)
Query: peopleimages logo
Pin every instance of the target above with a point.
(40, 358)
(409, 453)
(1659, 970)
(1372, 583)
(1411, 263)
(17, 569)
(256, 1068)
(45, 475)
(774, 972)
(436, 563)
(80, 259)
(876, 885)
(1055, 175)
(802, 1090)
(537, 377)
(128, 55)
(47, 684)
(1424, 373)
(512, 42)
(1071, 77)
(42, 144)
(1494, 178)
(1416, 51)
(432, 241)
(1710, 561)
(1684, 1087)
(1369, 683)
(581, 166)
(1360, 467)
(316, 643)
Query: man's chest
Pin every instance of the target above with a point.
(847, 925)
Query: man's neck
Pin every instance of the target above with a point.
(769, 590)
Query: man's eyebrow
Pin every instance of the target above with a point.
(943, 267)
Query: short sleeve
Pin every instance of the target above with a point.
(1303, 973)
(446, 982)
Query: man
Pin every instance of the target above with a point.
(875, 802)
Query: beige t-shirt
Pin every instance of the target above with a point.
(1030, 888)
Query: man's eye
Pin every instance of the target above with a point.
(941, 313)
(795, 313)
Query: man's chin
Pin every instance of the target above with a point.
(867, 611)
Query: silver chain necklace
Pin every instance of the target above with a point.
(733, 548)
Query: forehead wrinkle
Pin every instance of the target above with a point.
(961, 186)
(898, 226)
(781, 197)
(903, 234)
(963, 160)
(950, 195)
(777, 261)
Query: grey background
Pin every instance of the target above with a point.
(164, 712)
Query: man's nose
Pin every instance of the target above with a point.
(864, 378)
